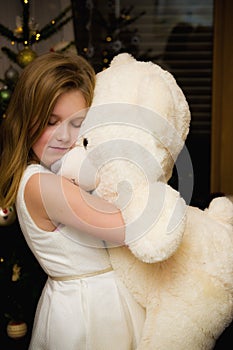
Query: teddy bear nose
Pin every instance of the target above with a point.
(85, 142)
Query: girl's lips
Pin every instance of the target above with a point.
(60, 148)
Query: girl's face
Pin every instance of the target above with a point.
(63, 128)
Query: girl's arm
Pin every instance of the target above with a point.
(53, 200)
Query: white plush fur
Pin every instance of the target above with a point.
(180, 266)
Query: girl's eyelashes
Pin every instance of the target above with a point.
(51, 123)
(76, 123)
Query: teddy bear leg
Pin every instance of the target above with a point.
(192, 318)
(172, 329)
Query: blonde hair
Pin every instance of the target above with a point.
(34, 97)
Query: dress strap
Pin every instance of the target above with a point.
(84, 275)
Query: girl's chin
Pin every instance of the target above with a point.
(49, 162)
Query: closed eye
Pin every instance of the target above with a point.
(77, 122)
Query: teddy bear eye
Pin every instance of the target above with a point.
(85, 142)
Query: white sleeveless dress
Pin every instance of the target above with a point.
(88, 313)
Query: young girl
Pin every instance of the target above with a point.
(83, 304)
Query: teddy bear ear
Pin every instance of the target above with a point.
(122, 58)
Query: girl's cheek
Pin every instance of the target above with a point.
(74, 134)
(49, 134)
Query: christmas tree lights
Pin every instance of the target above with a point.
(24, 36)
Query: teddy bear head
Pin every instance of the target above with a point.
(139, 117)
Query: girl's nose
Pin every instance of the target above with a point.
(62, 132)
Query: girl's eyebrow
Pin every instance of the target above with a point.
(72, 117)
(78, 117)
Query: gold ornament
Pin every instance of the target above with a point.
(16, 329)
(15, 272)
(26, 56)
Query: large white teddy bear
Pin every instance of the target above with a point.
(178, 259)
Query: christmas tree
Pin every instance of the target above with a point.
(21, 280)
(120, 36)
(21, 277)
(25, 36)
(103, 30)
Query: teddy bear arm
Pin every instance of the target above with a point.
(159, 231)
